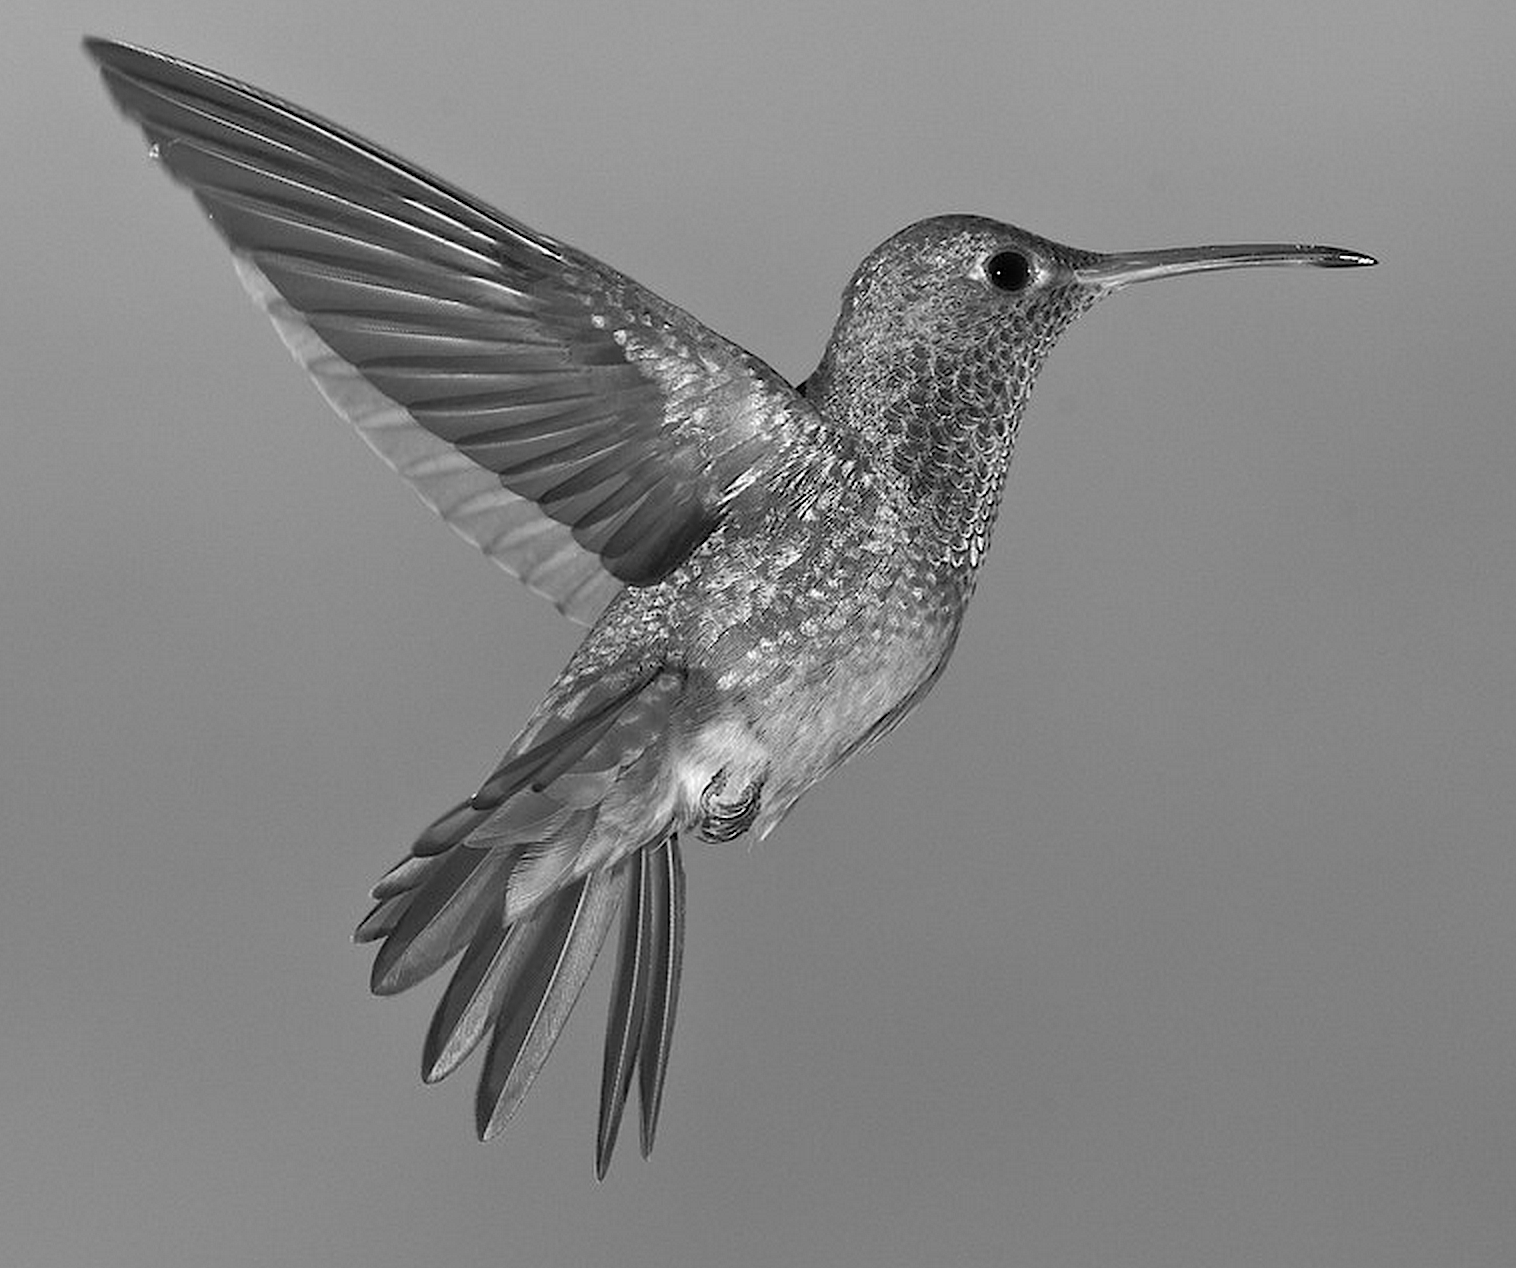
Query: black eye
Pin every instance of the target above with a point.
(1008, 270)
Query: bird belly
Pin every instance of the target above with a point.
(771, 738)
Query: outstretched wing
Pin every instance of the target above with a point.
(580, 430)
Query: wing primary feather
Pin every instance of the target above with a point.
(168, 83)
(438, 325)
(404, 289)
(667, 922)
(230, 181)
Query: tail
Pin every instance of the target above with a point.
(525, 879)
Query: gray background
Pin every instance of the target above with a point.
(1177, 928)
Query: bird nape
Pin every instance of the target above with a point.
(773, 576)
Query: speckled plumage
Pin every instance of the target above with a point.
(775, 576)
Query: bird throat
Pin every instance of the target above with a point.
(940, 419)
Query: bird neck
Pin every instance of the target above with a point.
(939, 429)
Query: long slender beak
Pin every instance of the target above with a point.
(1111, 272)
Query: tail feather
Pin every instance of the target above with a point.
(644, 997)
(394, 892)
(405, 875)
(525, 879)
(472, 998)
(382, 919)
(623, 1026)
(442, 916)
(543, 873)
(665, 966)
(446, 831)
(537, 1002)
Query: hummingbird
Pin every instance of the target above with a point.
(773, 575)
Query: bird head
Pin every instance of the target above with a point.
(943, 329)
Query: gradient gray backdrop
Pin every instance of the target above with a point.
(1177, 928)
